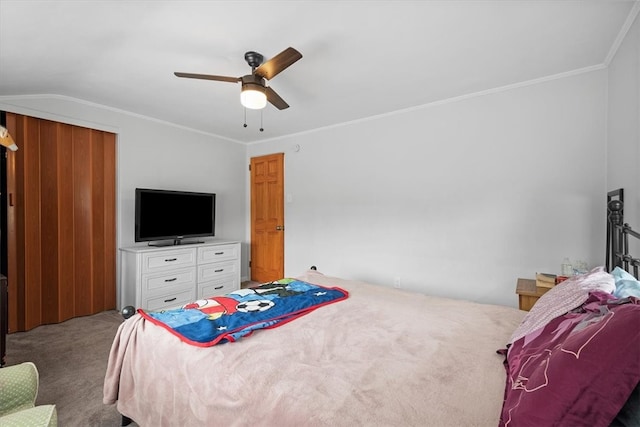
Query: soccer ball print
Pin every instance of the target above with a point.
(255, 306)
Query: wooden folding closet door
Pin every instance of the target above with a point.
(61, 222)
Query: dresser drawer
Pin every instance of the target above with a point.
(173, 259)
(218, 287)
(183, 279)
(174, 299)
(216, 270)
(209, 254)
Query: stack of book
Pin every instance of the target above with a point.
(545, 280)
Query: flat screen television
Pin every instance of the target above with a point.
(173, 215)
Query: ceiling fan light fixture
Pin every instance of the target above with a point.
(255, 93)
(253, 96)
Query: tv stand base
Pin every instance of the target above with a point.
(176, 242)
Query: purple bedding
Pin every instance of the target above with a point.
(579, 369)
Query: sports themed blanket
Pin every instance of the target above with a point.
(235, 315)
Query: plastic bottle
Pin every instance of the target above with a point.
(566, 267)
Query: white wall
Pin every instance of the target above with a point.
(153, 154)
(456, 199)
(623, 150)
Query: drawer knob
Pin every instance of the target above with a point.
(171, 280)
(219, 253)
(171, 299)
(217, 288)
(220, 270)
(170, 259)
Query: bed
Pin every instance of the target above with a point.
(388, 357)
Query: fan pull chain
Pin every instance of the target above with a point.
(245, 120)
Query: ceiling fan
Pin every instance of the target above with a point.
(255, 93)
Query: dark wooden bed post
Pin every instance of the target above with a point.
(614, 243)
(613, 196)
(618, 251)
(626, 258)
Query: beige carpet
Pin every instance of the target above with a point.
(71, 358)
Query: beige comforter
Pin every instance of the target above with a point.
(383, 357)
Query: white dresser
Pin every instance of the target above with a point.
(156, 278)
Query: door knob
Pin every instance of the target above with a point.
(280, 227)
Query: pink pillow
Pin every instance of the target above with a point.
(562, 298)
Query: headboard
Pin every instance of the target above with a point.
(618, 232)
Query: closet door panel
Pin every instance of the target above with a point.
(66, 250)
(97, 221)
(49, 208)
(32, 225)
(109, 250)
(103, 226)
(82, 186)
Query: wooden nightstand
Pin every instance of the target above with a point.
(528, 293)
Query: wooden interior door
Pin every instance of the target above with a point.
(60, 222)
(267, 217)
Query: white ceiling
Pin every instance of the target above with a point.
(360, 58)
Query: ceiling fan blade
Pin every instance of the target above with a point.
(278, 63)
(275, 99)
(209, 77)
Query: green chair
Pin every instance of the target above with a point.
(18, 392)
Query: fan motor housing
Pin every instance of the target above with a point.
(252, 79)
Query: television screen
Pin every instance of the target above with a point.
(164, 214)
